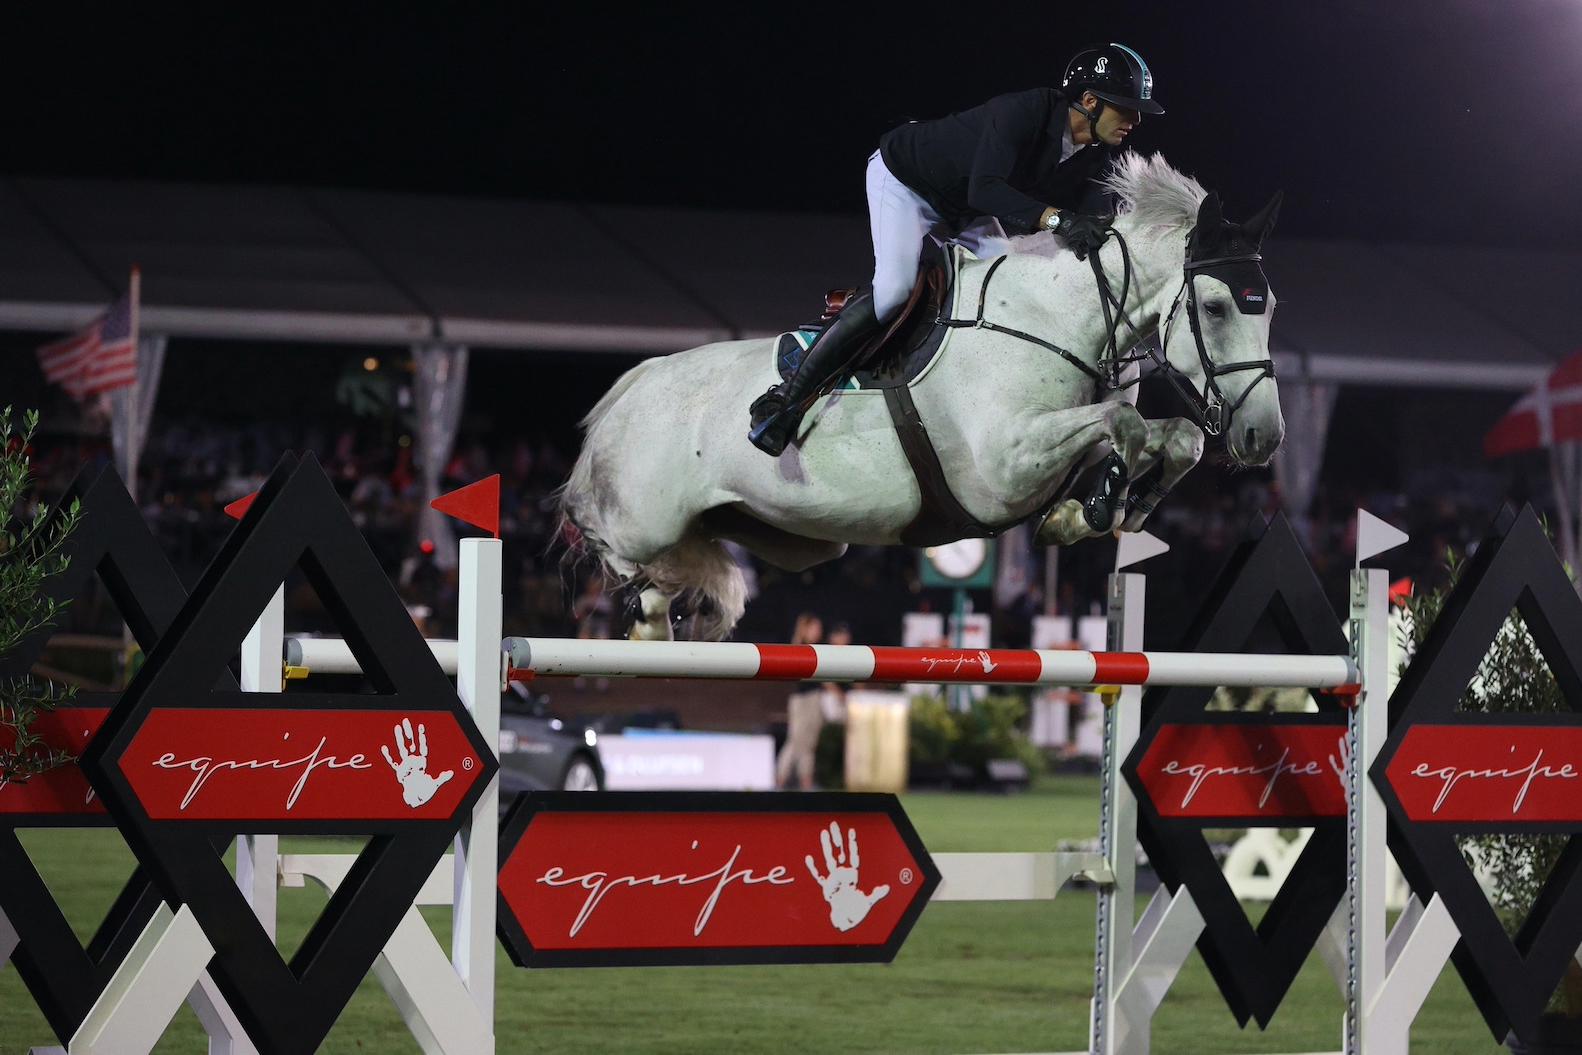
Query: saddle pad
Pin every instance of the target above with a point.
(791, 346)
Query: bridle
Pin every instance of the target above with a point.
(1210, 408)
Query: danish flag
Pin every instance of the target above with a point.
(1549, 414)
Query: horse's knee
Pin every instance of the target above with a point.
(1184, 442)
(1128, 431)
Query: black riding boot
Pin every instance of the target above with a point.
(778, 412)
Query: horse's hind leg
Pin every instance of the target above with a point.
(776, 546)
(649, 613)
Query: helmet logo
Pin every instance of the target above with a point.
(1101, 64)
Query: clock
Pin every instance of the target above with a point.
(965, 563)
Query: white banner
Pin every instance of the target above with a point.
(688, 762)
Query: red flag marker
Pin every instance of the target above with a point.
(477, 504)
(238, 509)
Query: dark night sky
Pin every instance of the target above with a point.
(1445, 120)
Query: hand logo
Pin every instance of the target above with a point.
(988, 664)
(417, 787)
(848, 906)
(1342, 765)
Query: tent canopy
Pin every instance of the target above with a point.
(293, 264)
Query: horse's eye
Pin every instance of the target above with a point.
(1215, 308)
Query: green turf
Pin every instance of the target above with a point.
(972, 978)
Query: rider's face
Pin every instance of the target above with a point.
(1116, 124)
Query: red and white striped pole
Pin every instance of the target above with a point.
(534, 656)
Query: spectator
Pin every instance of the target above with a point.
(804, 715)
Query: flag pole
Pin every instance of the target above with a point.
(133, 393)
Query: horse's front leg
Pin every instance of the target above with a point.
(1080, 436)
(1175, 445)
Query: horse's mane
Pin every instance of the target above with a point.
(1147, 190)
(1152, 192)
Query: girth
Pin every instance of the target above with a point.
(940, 516)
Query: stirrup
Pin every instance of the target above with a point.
(773, 433)
(767, 405)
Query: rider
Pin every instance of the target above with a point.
(1023, 162)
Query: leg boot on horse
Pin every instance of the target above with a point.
(778, 412)
(1108, 495)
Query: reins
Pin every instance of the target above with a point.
(1210, 408)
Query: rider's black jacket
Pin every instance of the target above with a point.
(1000, 159)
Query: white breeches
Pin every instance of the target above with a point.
(900, 220)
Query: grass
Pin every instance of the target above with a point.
(972, 978)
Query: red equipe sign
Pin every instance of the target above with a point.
(1243, 770)
(1489, 773)
(283, 764)
(63, 791)
(654, 883)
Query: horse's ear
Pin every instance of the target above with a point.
(1210, 215)
(1262, 223)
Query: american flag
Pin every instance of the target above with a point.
(99, 358)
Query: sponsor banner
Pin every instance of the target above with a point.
(1489, 774)
(63, 791)
(1250, 771)
(688, 762)
(284, 764)
(663, 878)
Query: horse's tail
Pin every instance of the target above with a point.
(580, 520)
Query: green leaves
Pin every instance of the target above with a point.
(1513, 678)
(32, 548)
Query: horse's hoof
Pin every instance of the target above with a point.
(1064, 525)
(650, 632)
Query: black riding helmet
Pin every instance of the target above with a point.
(1114, 73)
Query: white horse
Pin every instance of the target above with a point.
(666, 473)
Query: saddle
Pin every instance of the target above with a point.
(899, 353)
(890, 362)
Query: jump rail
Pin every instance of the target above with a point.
(331, 655)
(531, 656)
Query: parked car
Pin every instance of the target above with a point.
(541, 752)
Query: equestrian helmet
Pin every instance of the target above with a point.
(1114, 73)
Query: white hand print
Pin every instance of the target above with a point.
(848, 906)
(417, 787)
(1342, 765)
(988, 664)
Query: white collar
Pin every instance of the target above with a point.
(1068, 146)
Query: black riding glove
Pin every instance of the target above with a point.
(1082, 232)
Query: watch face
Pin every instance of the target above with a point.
(959, 560)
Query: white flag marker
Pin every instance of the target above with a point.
(1136, 547)
(1374, 536)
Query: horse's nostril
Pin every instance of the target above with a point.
(1252, 439)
